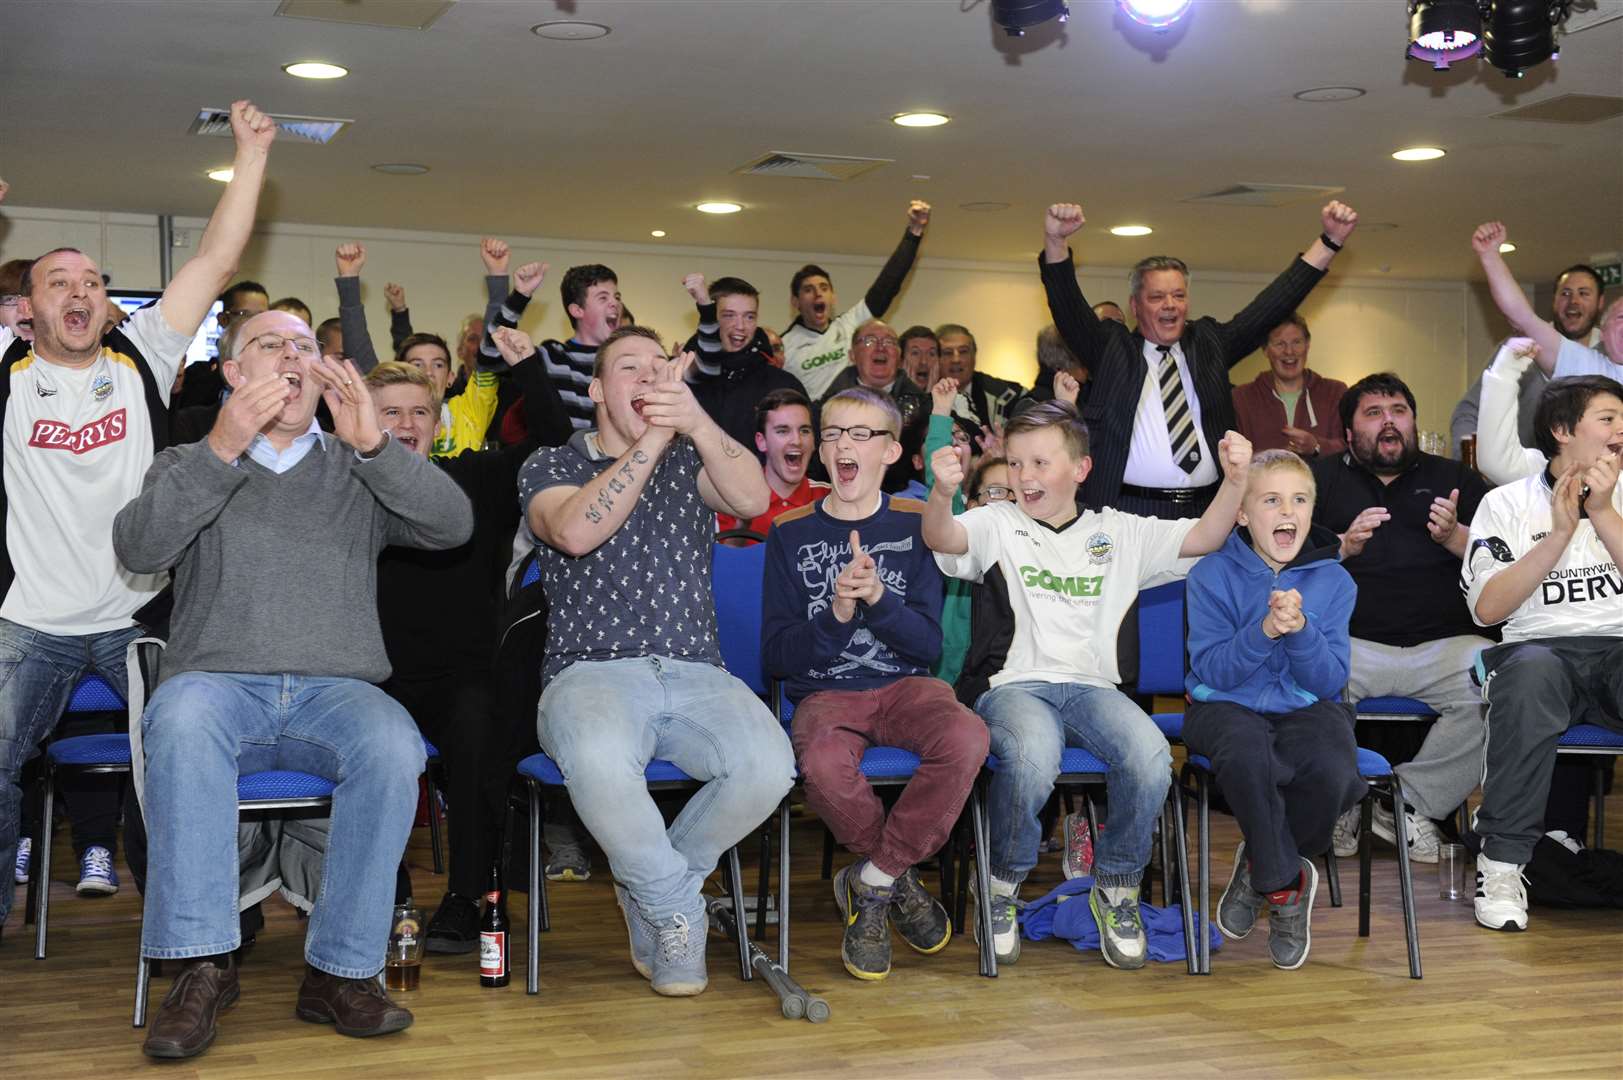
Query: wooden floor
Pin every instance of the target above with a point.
(1545, 1003)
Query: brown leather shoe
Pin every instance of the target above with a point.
(184, 1026)
(359, 1007)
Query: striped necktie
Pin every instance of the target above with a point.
(1180, 422)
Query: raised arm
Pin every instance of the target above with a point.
(545, 418)
(1214, 526)
(351, 312)
(942, 533)
(577, 520)
(504, 314)
(1508, 296)
(205, 275)
(891, 276)
(1248, 330)
(1500, 455)
(399, 315)
(1083, 332)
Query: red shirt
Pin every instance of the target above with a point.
(808, 491)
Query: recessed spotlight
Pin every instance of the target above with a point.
(223, 175)
(1506, 248)
(400, 168)
(570, 30)
(1156, 14)
(1131, 230)
(1419, 153)
(658, 234)
(315, 69)
(718, 208)
(1329, 93)
(920, 119)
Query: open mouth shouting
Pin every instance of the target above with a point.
(845, 469)
(1283, 537)
(794, 459)
(638, 403)
(76, 318)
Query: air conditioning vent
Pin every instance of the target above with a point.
(312, 129)
(1265, 194)
(392, 14)
(810, 166)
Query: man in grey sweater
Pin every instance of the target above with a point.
(272, 531)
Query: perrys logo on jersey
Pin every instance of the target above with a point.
(102, 388)
(55, 435)
(1100, 548)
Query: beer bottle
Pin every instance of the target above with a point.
(493, 932)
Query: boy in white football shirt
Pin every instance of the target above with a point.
(1071, 578)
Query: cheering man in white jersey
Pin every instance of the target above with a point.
(83, 414)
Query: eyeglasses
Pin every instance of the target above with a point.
(873, 341)
(997, 493)
(860, 433)
(271, 344)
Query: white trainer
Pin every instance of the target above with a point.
(1501, 895)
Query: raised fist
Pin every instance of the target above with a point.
(1487, 238)
(1338, 220)
(1062, 220)
(351, 257)
(396, 295)
(918, 216)
(528, 278)
(695, 285)
(494, 253)
(252, 129)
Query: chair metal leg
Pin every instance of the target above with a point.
(434, 839)
(735, 885)
(1411, 929)
(1365, 854)
(1203, 786)
(1332, 871)
(983, 880)
(143, 977)
(763, 883)
(783, 885)
(1191, 944)
(967, 842)
(1600, 802)
(42, 862)
(532, 929)
(828, 853)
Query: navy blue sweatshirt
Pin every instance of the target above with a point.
(804, 644)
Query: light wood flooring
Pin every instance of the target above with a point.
(1545, 1003)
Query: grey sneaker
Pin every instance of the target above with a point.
(1421, 832)
(678, 968)
(1344, 837)
(918, 916)
(568, 862)
(1005, 911)
(864, 909)
(1121, 930)
(1240, 904)
(641, 932)
(1290, 923)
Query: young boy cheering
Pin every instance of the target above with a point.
(1268, 656)
(853, 622)
(1071, 577)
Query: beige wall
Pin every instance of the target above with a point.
(1437, 335)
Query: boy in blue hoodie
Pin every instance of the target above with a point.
(852, 621)
(1268, 658)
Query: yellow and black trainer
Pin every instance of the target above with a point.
(918, 916)
(865, 910)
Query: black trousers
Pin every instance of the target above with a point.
(90, 802)
(455, 713)
(1285, 776)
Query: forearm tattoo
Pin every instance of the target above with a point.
(619, 480)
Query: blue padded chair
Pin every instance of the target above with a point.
(82, 755)
(1601, 744)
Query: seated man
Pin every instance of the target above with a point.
(622, 518)
(855, 642)
(732, 367)
(876, 355)
(1070, 579)
(1403, 517)
(272, 530)
(1289, 406)
(1544, 560)
(1268, 657)
(783, 433)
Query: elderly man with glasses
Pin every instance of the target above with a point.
(876, 363)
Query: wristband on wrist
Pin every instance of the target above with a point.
(1329, 243)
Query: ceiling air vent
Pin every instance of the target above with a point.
(1567, 109)
(393, 14)
(314, 129)
(810, 166)
(1265, 194)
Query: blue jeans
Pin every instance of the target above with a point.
(1031, 723)
(603, 721)
(37, 675)
(200, 731)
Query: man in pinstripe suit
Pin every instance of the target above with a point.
(1160, 398)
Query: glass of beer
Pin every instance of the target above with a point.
(404, 963)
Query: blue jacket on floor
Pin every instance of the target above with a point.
(1231, 659)
(1065, 913)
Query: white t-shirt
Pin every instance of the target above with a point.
(1149, 455)
(77, 444)
(1069, 587)
(1574, 358)
(815, 359)
(1583, 594)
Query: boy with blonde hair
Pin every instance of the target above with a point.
(1268, 657)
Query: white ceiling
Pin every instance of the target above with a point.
(609, 139)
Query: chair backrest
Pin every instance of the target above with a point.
(1161, 639)
(735, 581)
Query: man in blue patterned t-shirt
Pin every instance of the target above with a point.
(621, 517)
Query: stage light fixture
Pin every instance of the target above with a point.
(1443, 31)
(1017, 16)
(1519, 34)
(1155, 14)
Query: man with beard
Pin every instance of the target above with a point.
(1403, 517)
(783, 432)
(1575, 308)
